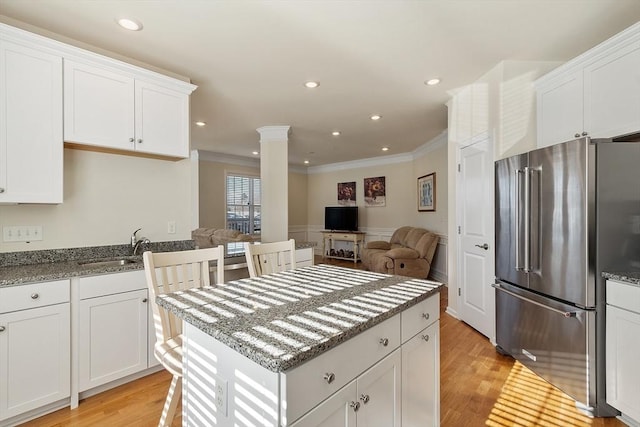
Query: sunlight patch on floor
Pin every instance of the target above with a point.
(528, 400)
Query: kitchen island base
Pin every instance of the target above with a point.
(387, 376)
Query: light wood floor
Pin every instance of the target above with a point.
(478, 387)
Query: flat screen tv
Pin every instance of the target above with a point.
(341, 218)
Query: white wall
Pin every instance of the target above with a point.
(401, 173)
(503, 109)
(213, 169)
(106, 197)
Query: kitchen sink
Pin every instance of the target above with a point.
(109, 262)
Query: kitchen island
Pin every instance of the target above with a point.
(319, 345)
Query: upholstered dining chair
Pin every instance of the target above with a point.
(170, 272)
(266, 258)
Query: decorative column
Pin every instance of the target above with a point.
(274, 174)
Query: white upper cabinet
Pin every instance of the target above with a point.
(31, 147)
(560, 116)
(98, 106)
(612, 93)
(596, 94)
(117, 110)
(162, 120)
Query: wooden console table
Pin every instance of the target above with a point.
(355, 237)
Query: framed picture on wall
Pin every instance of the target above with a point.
(375, 192)
(427, 193)
(347, 193)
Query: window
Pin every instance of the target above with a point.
(243, 203)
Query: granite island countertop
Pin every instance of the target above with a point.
(281, 320)
(632, 278)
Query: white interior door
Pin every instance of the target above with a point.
(476, 300)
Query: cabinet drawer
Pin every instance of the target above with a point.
(305, 386)
(33, 295)
(108, 284)
(420, 316)
(623, 295)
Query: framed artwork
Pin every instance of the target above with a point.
(375, 191)
(427, 193)
(347, 193)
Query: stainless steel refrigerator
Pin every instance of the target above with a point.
(563, 215)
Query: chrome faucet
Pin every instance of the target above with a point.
(135, 242)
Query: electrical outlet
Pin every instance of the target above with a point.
(22, 233)
(220, 400)
(171, 227)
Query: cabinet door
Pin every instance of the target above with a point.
(622, 349)
(30, 125)
(162, 120)
(339, 410)
(612, 93)
(379, 393)
(34, 358)
(560, 110)
(98, 106)
(112, 337)
(421, 378)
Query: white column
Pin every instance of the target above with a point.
(274, 174)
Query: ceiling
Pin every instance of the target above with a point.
(250, 60)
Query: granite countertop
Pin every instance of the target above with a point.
(283, 319)
(17, 268)
(630, 277)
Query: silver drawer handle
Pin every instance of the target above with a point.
(131, 139)
(1, 190)
(384, 341)
(35, 296)
(425, 337)
(329, 377)
(355, 406)
(426, 316)
(139, 141)
(566, 314)
(364, 398)
(2, 328)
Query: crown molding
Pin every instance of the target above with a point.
(437, 142)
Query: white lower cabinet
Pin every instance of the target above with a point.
(336, 411)
(362, 382)
(112, 328)
(420, 378)
(372, 400)
(35, 355)
(622, 348)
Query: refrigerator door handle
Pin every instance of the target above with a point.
(555, 310)
(527, 219)
(518, 207)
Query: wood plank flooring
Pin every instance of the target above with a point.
(478, 387)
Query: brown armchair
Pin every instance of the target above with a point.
(408, 253)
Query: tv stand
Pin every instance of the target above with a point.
(355, 237)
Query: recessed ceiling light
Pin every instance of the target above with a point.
(432, 82)
(306, 162)
(312, 85)
(385, 148)
(130, 24)
(255, 153)
(201, 124)
(376, 117)
(335, 133)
